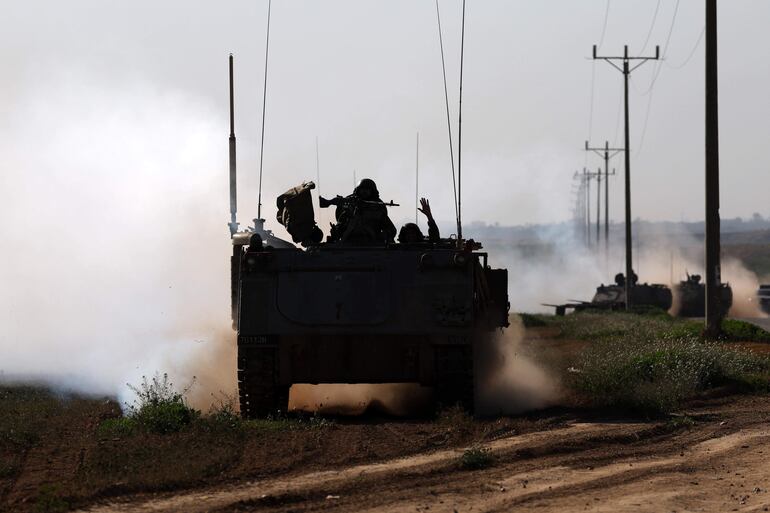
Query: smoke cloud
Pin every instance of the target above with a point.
(115, 250)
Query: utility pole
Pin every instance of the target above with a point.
(626, 70)
(587, 181)
(713, 271)
(598, 206)
(606, 153)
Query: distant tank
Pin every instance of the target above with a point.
(357, 310)
(763, 296)
(691, 297)
(613, 297)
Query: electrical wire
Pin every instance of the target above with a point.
(692, 53)
(593, 80)
(604, 27)
(656, 73)
(652, 26)
(659, 65)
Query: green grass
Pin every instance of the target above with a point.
(476, 458)
(652, 324)
(49, 500)
(533, 320)
(741, 331)
(655, 375)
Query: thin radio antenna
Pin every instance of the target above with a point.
(317, 169)
(233, 190)
(448, 121)
(460, 135)
(417, 178)
(264, 101)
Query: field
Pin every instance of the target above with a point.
(648, 418)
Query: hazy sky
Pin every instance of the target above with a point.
(364, 76)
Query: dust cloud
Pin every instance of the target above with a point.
(509, 381)
(115, 250)
(355, 399)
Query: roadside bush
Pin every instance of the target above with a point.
(533, 320)
(476, 458)
(118, 427)
(742, 331)
(655, 376)
(158, 407)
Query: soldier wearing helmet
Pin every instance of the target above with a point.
(410, 233)
(362, 217)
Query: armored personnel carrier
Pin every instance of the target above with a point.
(691, 297)
(613, 297)
(763, 296)
(358, 311)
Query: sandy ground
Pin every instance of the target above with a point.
(721, 463)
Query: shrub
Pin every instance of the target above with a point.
(158, 407)
(476, 457)
(532, 320)
(118, 427)
(49, 500)
(655, 376)
(736, 330)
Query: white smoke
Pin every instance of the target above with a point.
(115, 251)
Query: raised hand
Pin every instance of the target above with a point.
(425, 208)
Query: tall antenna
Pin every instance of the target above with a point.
(448, 121)
(317, 169)
(264, 98)
(460, 136)
(417, 178)
(233, 191)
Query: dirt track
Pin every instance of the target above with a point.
(719, 464)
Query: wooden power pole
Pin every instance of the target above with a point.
(713, 272)
(626, 70)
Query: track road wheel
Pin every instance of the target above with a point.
(258, 389)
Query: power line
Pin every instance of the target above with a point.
(652, 26)
(665, 51)
(692, 53)
(604, 27)
(593, 78)
(656, 72)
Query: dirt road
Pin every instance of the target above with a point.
(715, 459)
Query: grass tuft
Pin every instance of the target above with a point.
(475, 458)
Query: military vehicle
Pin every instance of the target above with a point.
(613, 297)
(763, 296)
(355, 309)
(691, 297)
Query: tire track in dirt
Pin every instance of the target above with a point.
(563, 487)
(208, 500)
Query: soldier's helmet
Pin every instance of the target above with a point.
(410, 233)
(367, 189)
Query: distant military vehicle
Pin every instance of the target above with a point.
(691, 297)
(763, 296)
(613, 297)
(360, 307)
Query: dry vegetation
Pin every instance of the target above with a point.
(58, 452)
